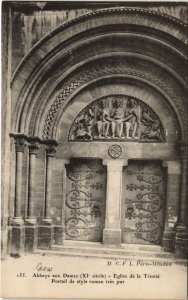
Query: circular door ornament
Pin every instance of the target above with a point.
(115, 151)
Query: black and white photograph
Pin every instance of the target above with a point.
(94, 149)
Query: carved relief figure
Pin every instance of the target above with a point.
(120, 118)
(103, 119)
(83, 126)
(117, 116)
(152, 131)
(131, 118)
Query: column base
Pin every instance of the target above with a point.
(17, 221)
(30, 221)
(31, 234)
(45, 236)
(59, 235)
(181, 242)
(17, 238)
(168, 241)
(112, 236)
(47, 221)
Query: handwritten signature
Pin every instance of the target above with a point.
(40, 268)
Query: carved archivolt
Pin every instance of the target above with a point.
(125, 66)
(117, 117)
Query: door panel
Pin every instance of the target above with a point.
(85, 201)
(143, 202)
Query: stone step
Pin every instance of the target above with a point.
(112, 251)
(86, 244)
(139, 255)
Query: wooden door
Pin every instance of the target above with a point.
(85, 201)
(143, 206)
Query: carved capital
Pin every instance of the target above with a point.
(33, 145)
(19, 141)
(51, 147)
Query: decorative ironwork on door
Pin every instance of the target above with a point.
(144, 202)
(85, 201)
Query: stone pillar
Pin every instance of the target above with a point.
(181, 241)
(172, 201)
(17, 231)
(46, 231)
(112, 230)
(33, 149)
(50, 153)
(59, 231)
(30, 225)
(19, 147)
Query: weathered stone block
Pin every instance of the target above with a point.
(58, 235)
(31, 234)
(168, 241)
(112, 236)
(17, 240)
(45, 237)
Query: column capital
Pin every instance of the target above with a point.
(173, 167)
(51, 147)
(20, 141)
(33, 144)
(115, 165)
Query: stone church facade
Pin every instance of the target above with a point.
(94, 125)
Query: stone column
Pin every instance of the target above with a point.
(20, 144)
(181, 241)
(172, 201)
(17, 233)
(50, 153)
(30, 224)
(112, 230)
(46, 231)
(59, 231)
(33, 150)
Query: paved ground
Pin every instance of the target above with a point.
(51, 276)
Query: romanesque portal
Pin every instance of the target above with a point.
(96, 144)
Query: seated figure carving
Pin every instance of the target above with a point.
(117, 116)
(131, 119)
(103, 119)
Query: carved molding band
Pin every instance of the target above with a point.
(146, 71)
(117, 117)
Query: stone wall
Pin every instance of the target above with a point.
(30, 22)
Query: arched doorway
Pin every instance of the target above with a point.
(54, 90)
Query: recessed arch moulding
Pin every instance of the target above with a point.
(41, 118)
(72, 56)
